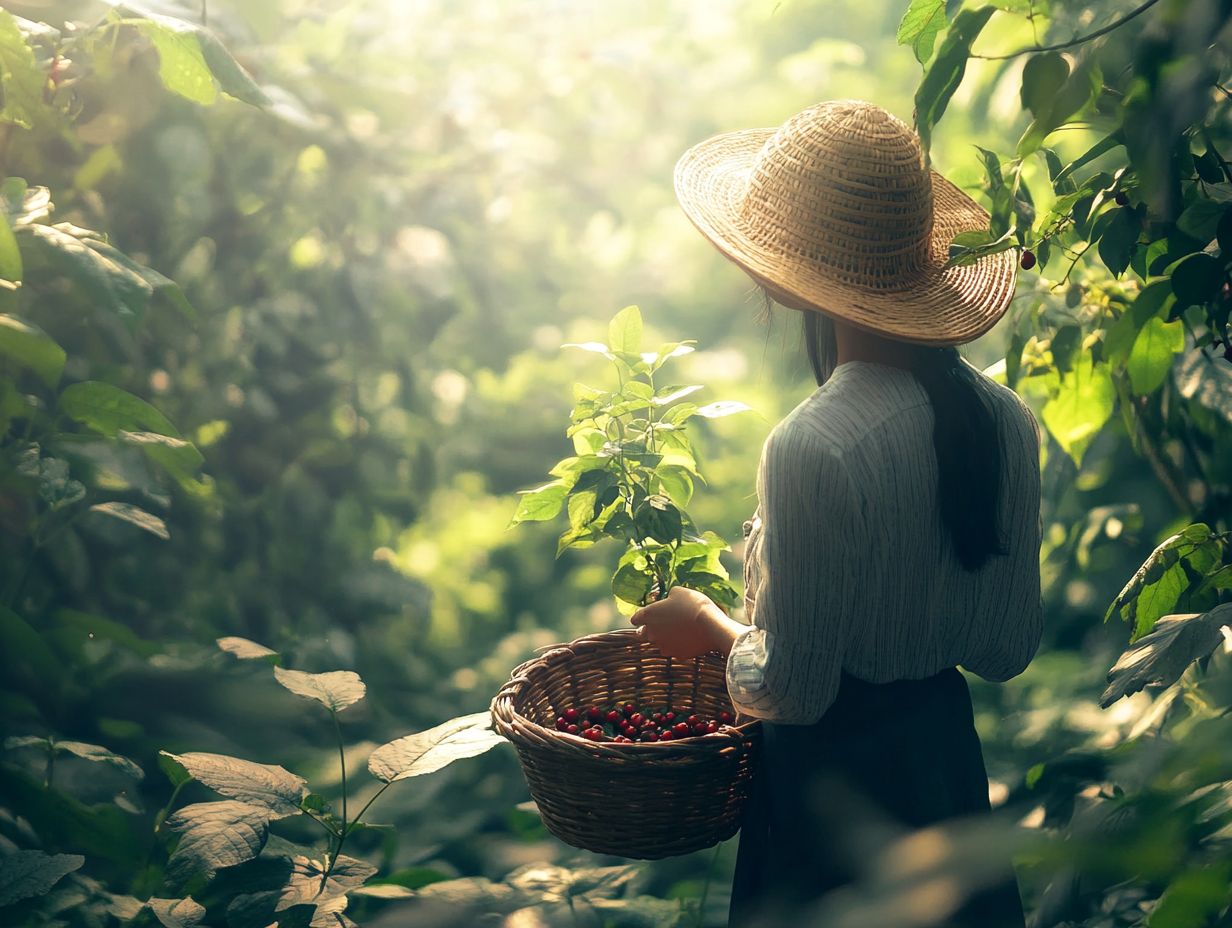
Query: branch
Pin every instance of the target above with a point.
(1115, 24)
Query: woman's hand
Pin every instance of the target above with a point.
(682, 625)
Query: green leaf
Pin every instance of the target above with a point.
(1160, 657)
(24, 874)
(431, 750)
(1197, 279)
(1151, 357)
(920, 25)
(384, 891)
(244, 649)
(1042, 77)
(335, 690)
(134, 515)
(107, 409)
(1102, 147)
(21, 79)
(10, 254)
(676, 483)
(1201, 219)
(1117, 236)
(1079, 89)
(30, 347)
(1156, 586)
(1206, 381)
(1085, 401)
(945, 73)
(179, 458)
(215, 835)
(177, 913)
(631, 584)
(659, 519)
(181, 64)
(308, 883)
(594, 347)
(268, 786)
(669, 395)
(542, 503)
(625, 331)
(101, 755)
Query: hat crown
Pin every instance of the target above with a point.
(844, 184)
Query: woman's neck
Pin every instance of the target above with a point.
(853, 344)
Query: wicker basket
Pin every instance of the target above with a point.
(643, 801)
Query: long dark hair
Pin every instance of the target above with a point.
(964, 437)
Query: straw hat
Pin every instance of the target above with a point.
(836, 210)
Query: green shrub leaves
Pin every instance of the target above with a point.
(266, 785)
(335, 690)
(30, 873)
(429, 751)
(1160, 657)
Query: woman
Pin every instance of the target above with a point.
(898, 525)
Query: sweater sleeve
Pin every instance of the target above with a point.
(786, 667)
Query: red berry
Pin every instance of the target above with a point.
(636, 718)
(613, 716)
(658, 716)
(681, 728)
(571, 715)
(692, 720)
(561, 724)
(1121, 198)
(629, 708)
(571, 729)
(669, 716)
(726, 717)
(711, 728)
(1028, 260)
(661, 736)
(594, 714)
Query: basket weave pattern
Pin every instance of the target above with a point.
(643, 801)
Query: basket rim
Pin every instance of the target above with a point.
(731, 734)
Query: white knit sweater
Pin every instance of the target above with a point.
(847, 564)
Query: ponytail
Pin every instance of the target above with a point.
(965, 439)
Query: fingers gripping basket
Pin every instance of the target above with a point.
(638, 800)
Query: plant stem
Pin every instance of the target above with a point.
(342, 764)
(1078, 40)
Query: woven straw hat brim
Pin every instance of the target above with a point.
(933, 305)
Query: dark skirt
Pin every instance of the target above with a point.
(828, 796)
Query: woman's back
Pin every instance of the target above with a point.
(865, 438)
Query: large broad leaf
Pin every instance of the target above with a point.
(192, 58)
(179, 458)
(215, 835)
(244, 649)
(556, 884)
(21, 102)
(31, 873)
(541, 503)
(177, 913)
(1043, 75)
(108, 409)
(335, 690)
(1156, 586)
(104, 273)
(1085, 402)
(1159, 659)
(305, 885)
(1150, 359)
(266, 785)
(32, 348)
(920, 25)
(1197, 279)
(1205, 380)
(133, 515)
(625, 331)
(429, 751)
(1079, 89)
(721, 408)
(945, 73)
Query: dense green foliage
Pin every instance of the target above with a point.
(282, 287)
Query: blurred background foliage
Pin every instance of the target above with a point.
(293, 278)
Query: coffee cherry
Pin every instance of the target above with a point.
(561, 724)
(1028, 259)
(681, 729)
(669, 716)
(571, 715)
(571, 729)
(629, 708)
(636, 719)
(662, 736)
(711, 728)
(613, 716)
(594, 714)
(1121, 198)
(725, 717)
(658, 716)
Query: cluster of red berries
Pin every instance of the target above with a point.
(626, 724)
